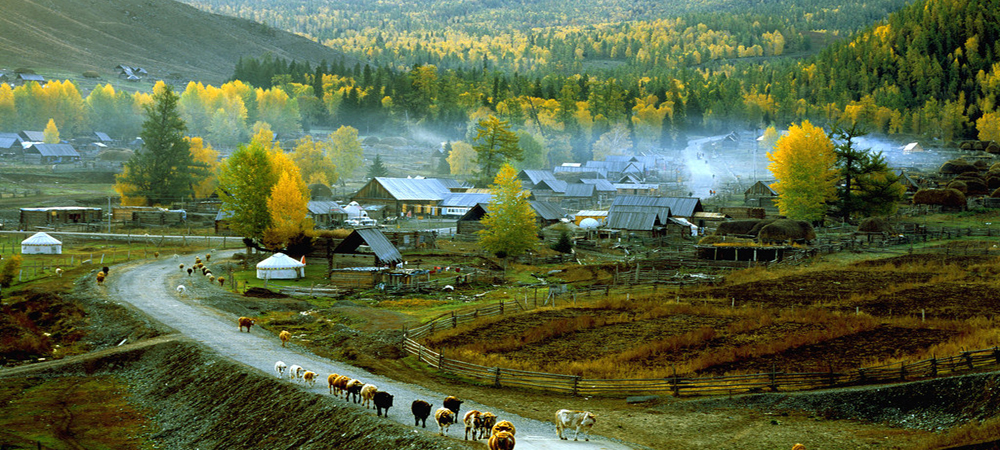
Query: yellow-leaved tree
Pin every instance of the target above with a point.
(205, 156)
(288, 210)
(989, 127)
(462, 159)
(509, 228)
(804, 163)
(346, 150)
(51, 133)
(313, 159)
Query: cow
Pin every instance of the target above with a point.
(331, 380)
(340, 385)
(420, 410)
(295, 372)
(367, 394)
(310, 378)
(567, 419)
(504, 425)
(285, 336)
(280, 368)
(444, 418)
(485, 424)
(383, 400)
(246, 322)
(470, 420)
(452, 403)
(354, 390)
(503, 440)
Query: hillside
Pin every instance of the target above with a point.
(167, 38)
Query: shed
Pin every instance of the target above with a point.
(58, 215)
(280, 266)
(51, 154)
(761, 195)
(41, 244)
(385, 252)
(325, 213)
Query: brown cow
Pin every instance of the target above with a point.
(470, 420)
(246, 322)
(285, 336)
(331, 380)
(444, 417)
(340, 385)
(485, 424)
(504, 425)
(501, 441)
(420, 410)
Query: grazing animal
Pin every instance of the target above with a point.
(197, 260)
(156, 254)
(501, 441)
(295, 372)
(59, 271)
(280, 368)
(340, 385)
(420, 410)
(444, 417)
(211, 278)
(100, 278)
(567, 419)
(181, 266)
(485, 424)
(181, 289)
(309, 377)
(354, 390)
(106, 270)
(246, 322)
(368, 394)
(330, 381)
(470, 420)
(453, 404)
(798, 447)
(190, 271)
(221, 280)
(285, 336)
(383, 401)
(504, 425)
(208, 257)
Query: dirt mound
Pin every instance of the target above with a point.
(257, 292)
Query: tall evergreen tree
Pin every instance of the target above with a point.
(495, 146)
(163, 169)
(377, 169)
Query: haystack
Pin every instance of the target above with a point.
(959, 186)
(741, 227)
(975, 187)
(876, 225)
(785, 230)
(992, 181)
(943, 197)
(957, 166)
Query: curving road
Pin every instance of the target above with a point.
(151, 288)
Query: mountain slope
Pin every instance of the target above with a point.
(167, 38)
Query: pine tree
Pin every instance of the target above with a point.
(495, 145)
(377, 169)
(443, 166)
(163, 169)
(510, 228)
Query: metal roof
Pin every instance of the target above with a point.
(636, 218)
(616, 166)
(102, 136)
(324, 207)
(580, 190)
(554, 185)
(380, 245)
(635, 186)
(538, 175)
(592, 213)
(34, 136)
(414, 188)
(463, 200)
(683, 206)
(54, 150)
(7, 142)
(597, 170)
(601, 184)
(548, 211)
(61, 208)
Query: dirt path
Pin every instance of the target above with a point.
(151, 288)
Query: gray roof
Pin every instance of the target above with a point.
(34, 136)
(600, 184)
(223, 215)
(547, 211)
(380, 245)
(30, 77)
(54, 150)
(319, 207)
(553, 185)
(580, 190)
(616, 166)
(598, 170)
(102, 136)
(673, 206)
(7, 142)
(463, 200)
(636, 218)
(415, 188)
(538, 175)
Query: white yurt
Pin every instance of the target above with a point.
(280, 266)
(41, 244)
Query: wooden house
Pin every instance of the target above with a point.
(51, 154)
(55, 216)
(761, 195)
(407, 196)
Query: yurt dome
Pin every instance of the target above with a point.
(280, 266)
(41, 243)
(589, 223)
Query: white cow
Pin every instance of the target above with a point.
(567, 419)
(295, 372)
(280, 368)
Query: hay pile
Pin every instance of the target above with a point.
(957, 166)
(785, 230)
(959, 186)
(876, 225)
(943, 197)
(741, 227)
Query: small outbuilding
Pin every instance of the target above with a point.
(41, 244)
(385, 253)
(280, 266)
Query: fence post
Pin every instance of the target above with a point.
(441, 361)
(996, 354)
(501, 307)
(902, 371)
(496, 377)
(454, 320)
(773, 379)
(676, 387)
(576, 385)
(934, 364)
(968, 359)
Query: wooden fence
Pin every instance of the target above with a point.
(721, 385)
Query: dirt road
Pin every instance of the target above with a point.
(151, 288)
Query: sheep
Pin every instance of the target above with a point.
(470, 420)
(280, 368)
(452, 403)
(367, 394)
(798, 447)
(420, 410)
(246, 322)
(330, 380)
(221, 280)
(211, 278)
(295, 372)
(310, 378)
(504, 425)
(501, 441)
(444, 418)
(285, 336)
(383, 400)
(181, 290)
(59, 271)
(197, 260)
(354, 390)
(485, 424)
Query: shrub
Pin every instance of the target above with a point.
(564, 244)
(11, 266)
(91, 74)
